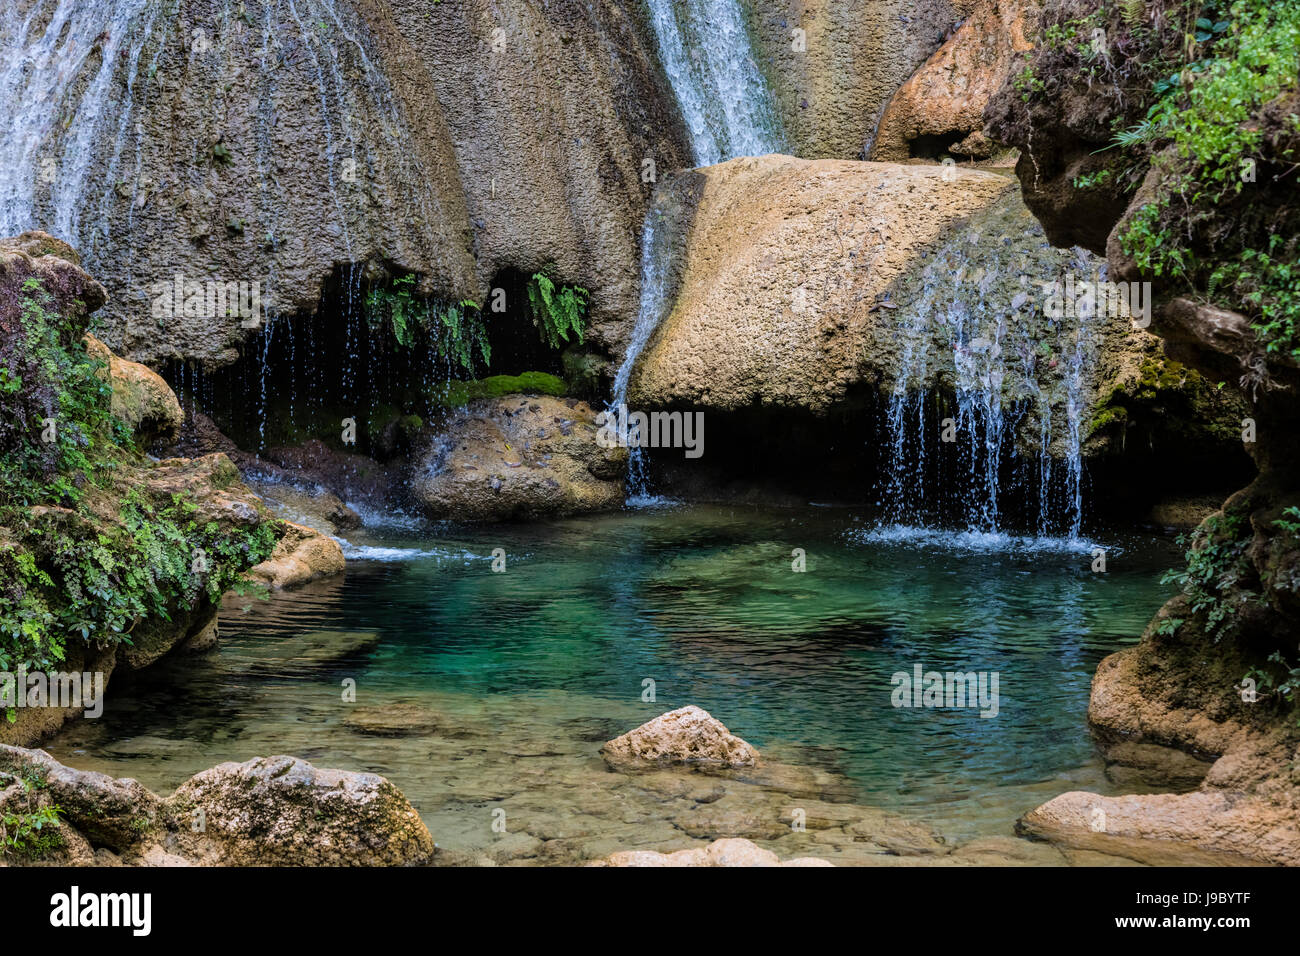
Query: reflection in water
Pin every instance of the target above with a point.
(520, 676)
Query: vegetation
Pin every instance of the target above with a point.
(1222, 119)
(28, 825)
(494, 386)
(558, 311)
(1216, 567)
(87, 552)
(455, 331)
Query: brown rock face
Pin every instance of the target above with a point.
(688, 735)
(452, 140)
(519, 456)
(940, 108)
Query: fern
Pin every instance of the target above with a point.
(557, 311)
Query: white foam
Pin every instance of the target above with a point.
(974, 542)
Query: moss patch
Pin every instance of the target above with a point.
(494, 386)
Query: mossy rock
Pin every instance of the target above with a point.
(494, 386)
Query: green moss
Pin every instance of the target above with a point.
(29, 826)
(494, 386)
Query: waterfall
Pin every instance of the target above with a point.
(704, 48)
(990, 393)
(657, 238)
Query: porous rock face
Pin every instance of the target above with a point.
(689, 735)
(519, 456)
(946, 97)
(277, 142)
(779, 312)
(270, 811)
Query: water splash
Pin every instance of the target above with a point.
(704, 47)
(980, 371)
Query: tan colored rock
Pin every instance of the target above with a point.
(303, 554)
(729, 852)
(946, 97)
(689, 735)
(520, 456)
(282, 811)
(141, 397)
(780, 312)
(1166, 829)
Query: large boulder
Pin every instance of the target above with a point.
(519, 456)
(282, 811)
(688, 735)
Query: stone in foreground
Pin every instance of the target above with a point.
(689, 735)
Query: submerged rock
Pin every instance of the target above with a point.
(519, 456)
(689, 735)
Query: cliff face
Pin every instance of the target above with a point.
(274, 143)
(1167, 155)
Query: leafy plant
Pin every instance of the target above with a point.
(558, 311)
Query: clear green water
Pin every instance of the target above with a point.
(531, 669)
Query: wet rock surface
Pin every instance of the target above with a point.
(519, 456)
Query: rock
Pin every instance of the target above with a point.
(303, 554)
(940, 108)
(688, 735)
(729, 852)
(519, 457)
(488, 137)
(112, 813)
(282, 811)
(394, 720)
(855, 54)
(141, 397)
(778, 313)
(1205, 827)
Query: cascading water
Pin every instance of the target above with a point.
(704, 47)
(979, 366)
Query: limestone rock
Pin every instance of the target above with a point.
(519, 456)
(689, 735)
(303, 554)
(283, 811)
(109, 812)
(141, 397)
